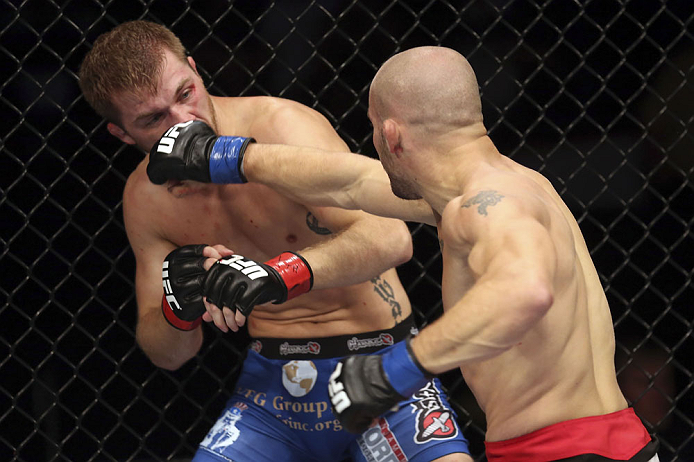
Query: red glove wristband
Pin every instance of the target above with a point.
(174, 320)
(294, 271)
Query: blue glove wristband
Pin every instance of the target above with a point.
(225, 159)
(402, 370)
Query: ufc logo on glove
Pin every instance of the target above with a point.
(336, 390)
(240, 283)
(167, 141)
(250, 268)
(168, 292)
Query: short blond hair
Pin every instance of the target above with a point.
(128, 58)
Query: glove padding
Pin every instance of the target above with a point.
(193, 151)
(183, 274)
(360, 388)
(241, 284)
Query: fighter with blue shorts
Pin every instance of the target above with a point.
(281, 410)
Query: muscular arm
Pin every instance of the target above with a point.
(513, 260)
(362, 246)
(310, 164)
(331, 178)
(164, 345)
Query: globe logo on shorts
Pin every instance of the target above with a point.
(299, 377)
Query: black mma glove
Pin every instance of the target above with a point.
(241, 284)
(364, 387)
(193, 151)
(183, 274)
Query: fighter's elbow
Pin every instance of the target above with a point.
(401, 242)
(166, 363)
(169, 360)
(538, 297)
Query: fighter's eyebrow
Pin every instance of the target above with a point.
(184, 83)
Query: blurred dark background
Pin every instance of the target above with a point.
(596, 95)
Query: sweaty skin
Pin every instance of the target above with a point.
(352, 253)
(526, 319)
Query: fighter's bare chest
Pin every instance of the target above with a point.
(252, 221)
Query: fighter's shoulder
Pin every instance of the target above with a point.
(137, 180)
(141, 198)
(267, 109)
(486, 209)
(289, 122)
(477, 203)
(283, 105)
(477, 211)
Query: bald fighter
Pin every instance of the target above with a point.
(526, 319)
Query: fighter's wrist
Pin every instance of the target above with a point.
(174, 320)
(295, 272)
(415, 360)
(226, 159)
(403, 370)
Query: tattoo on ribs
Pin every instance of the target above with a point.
(385, 290)
(484, 199)
(313, 225)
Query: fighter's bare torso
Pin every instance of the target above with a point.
(257, 222)
(563, 367)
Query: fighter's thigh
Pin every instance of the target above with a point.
(422, 429)
(244, 433)
(392, 441)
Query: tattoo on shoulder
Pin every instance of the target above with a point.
(483, 199)
(385, 290)
(313, 225)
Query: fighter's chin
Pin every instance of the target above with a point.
(406, 194)
(410, 197)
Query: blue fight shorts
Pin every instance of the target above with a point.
(280, 411)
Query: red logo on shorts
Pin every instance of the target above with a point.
(437, 424)
(256, 346)
(434, 419)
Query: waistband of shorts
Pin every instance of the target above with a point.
(618, 436)
(333, 347)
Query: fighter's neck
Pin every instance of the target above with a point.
(455, 171)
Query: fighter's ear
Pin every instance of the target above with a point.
(393, 136)
(191, 63)
(119, 133)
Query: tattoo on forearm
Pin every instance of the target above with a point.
(484, 199)
(313, 225)
(385, 290)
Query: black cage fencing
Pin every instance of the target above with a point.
(595, 94)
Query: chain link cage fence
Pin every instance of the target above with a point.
(596, 95)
